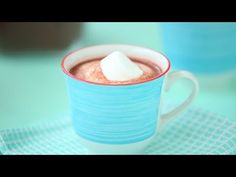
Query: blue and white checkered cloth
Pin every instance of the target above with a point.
(196, 131)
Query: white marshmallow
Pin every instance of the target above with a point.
(118, 67)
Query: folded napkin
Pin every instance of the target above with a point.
(196, 131)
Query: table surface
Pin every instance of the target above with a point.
(33, 87)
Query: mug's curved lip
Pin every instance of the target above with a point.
(120, 84)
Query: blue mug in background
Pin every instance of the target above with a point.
(122, 118)
(203, 48)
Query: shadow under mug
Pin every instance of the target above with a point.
(122, 118)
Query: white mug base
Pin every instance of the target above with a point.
(99, 148)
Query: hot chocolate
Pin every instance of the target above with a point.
(91, 71)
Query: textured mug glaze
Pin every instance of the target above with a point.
(120, 118)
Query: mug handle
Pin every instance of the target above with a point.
(171, 78)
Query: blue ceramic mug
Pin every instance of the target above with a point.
(120, 118)
(200, 47)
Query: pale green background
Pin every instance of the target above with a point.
(32, 86)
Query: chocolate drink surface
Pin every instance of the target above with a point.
(91, 71)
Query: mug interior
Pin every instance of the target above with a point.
(100, 51)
